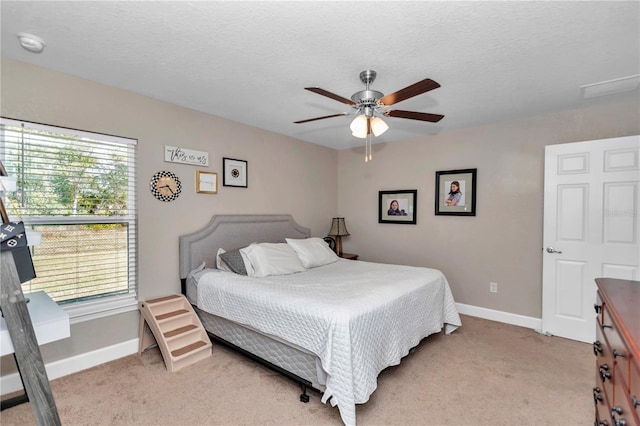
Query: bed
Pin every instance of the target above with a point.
(332, 325)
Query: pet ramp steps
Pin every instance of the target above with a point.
(172, 324)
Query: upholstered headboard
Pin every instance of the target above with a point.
(232, 232)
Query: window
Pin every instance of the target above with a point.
(78, 190)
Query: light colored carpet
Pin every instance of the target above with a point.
(485, 373)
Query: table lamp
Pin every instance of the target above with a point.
(338, 230)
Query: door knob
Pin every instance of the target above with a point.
(552, 250)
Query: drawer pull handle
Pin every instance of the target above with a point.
(604, 372)
(617, 410)
(607, 326)
(597, 347)
(596, 395)
(618, 354)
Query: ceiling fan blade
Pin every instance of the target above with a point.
(333, 96)
(413, 115)
(409, 92)
(321, 118)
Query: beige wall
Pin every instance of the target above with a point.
(284, 176)
(503, 242)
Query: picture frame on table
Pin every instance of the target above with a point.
(234, 172)
(399, 206)
(206, 182)
(456, 192)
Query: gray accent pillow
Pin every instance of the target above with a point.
(234, 261)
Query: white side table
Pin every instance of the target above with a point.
(50, 322)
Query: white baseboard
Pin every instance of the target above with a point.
(64, 367)
(500, 316)
(12, 383)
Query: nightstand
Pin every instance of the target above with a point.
(349, 256)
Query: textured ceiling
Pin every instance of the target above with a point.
(249, 61)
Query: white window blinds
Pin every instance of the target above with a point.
(78, 189)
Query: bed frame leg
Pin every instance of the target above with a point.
(304, 397)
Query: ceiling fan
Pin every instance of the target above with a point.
(370, 104)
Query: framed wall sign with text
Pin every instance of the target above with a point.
(206, 182)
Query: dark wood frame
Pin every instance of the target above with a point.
(226, 162)
(469, 209)
(410, 218)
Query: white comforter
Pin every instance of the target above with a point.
(357, 317)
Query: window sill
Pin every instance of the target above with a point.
(99, 308)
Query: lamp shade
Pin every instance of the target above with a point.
(378, 126)
(338, 227)
(359, 126)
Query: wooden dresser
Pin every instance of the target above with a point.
(617, 349)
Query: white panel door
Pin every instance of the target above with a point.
(591, 228)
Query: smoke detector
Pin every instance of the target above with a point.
(31, 43)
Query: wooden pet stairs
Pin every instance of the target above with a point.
(172, 323)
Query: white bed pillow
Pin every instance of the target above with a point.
(312, 252)
(271, 259)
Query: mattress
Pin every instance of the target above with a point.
(357, 318)
(295, 360)
(284, 355)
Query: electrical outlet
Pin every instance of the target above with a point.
(493, 287)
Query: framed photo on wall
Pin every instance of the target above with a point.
(234, 172)
(456, 192)
(398, 206)
(206, 182)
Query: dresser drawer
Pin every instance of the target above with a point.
(601, 347)
(618, 351)
(602, 405)
(622, 411)
(617, 387)
(603, 417)
(604, 362)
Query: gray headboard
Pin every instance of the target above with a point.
(232, 232)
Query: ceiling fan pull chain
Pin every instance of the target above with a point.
(366, 150)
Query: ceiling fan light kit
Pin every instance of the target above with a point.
(370, 104)
(359, 126)
(378, 126)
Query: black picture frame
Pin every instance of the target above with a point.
(467, 183)
(407, 206)
(234, 172)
